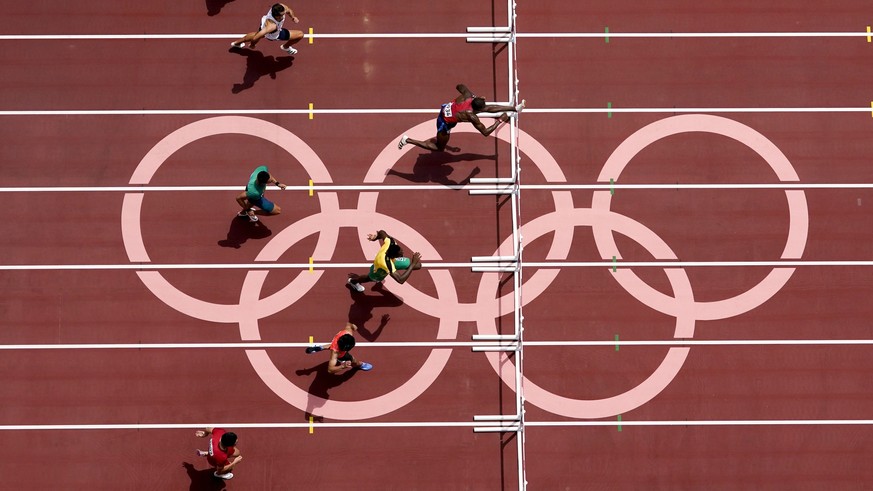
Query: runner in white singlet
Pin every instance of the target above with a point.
(271, 28)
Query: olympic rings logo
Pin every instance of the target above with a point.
(446, 306)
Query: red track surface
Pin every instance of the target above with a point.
(207, 386)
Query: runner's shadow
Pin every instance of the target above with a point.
(258, 65)
(203, 480)
(213, 7)
(434, 167)
(319, 389)
(241, 230)
(361, 310)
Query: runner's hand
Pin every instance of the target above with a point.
(199, 433)
(372, 237)
(281, 186)
(504, 117)
(416, 258)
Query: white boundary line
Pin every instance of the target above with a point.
(481, 266)
(443, 344)
(615, 110)
(723, 422)
(440, 424)
(207, 112)
(429, 111)
(447, 35)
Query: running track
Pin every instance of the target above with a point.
(735, 416)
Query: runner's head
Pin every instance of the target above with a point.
(346, 342)
(263, 177)
(228, 439)
(278, 10)
(478, 103)
(394, 251)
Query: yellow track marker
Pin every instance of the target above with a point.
(310, 268)
(868, 34)
(311, 115)
(311, 190)
(871, 108)
(310, 340)
(311, 39)
(312, 430)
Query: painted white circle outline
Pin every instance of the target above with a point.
(682, 305)
(251, 306)
(132, 203)
(688, 123)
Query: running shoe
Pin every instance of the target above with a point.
(313, 349)
(357, 286)
(290, 50)
(238, 46)
(366, 366)
(227, 476)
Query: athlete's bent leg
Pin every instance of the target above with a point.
(242, 201)
(239, 43)
(296, 36)
(359, 278)
(428, 144)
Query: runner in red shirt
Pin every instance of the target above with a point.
(462, 110)
(340, 357)
(221, 452)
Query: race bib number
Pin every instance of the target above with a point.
(447, 111)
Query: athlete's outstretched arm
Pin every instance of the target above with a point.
(465, 92)
(496, 108)
(487, 130)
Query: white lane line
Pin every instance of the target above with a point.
(437, 187)
(102, 37)
(439, 424)
(175, 426)
(442, 344)
(689, 264)
(446, 35)
(201, 112)
(617, 186)
(724, 422)
(615, 110)
(611, 34)
(482, 266)
(243, 345)
(428, 111)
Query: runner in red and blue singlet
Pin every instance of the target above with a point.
(462, 110)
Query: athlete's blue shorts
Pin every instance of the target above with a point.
(442, 125)
(263, 203)
(284, 35)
